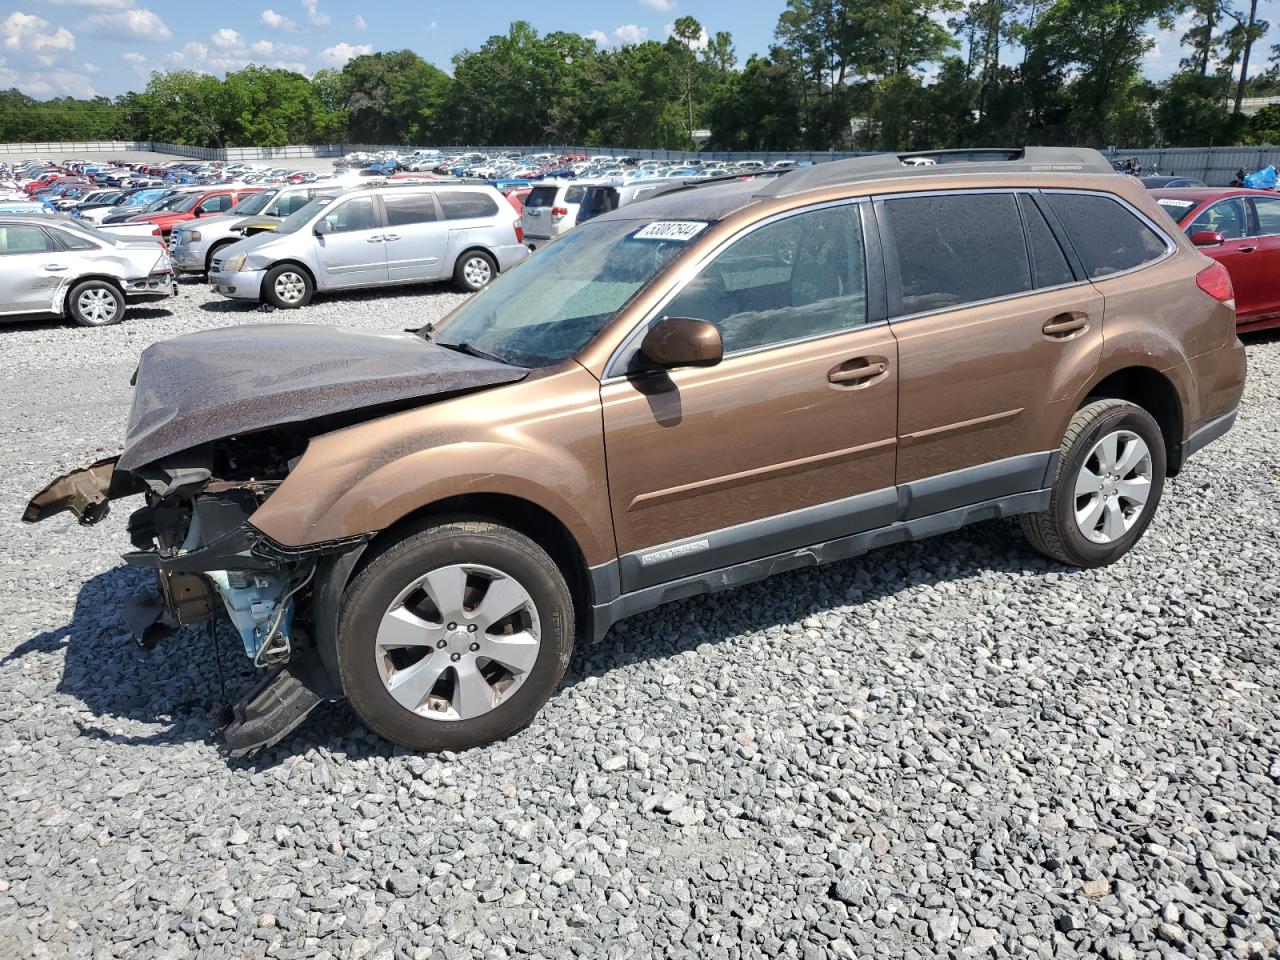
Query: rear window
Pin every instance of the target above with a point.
(957, 249)
(466, 204)
(542, 197)
(1107, 236)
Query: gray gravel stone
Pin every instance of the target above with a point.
(949, 747)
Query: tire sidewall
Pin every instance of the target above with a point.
(372, 592)
(1136, 420)
(269, 287)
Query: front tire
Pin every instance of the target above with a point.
(475, 271)
(454, 636)
(1110, 475)
(96, 303)
(287, 287)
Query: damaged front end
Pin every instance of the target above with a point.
(194, 532)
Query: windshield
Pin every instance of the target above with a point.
(183, 203)
(549, 308)
(142, 197)
(300, 217)
(253, 203)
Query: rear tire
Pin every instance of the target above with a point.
(1109, 479)
(423, 655)
(96, 303)
(287, 287)
(475, 270)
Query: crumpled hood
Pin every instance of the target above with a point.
(218, 383)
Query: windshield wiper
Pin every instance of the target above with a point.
(468, 349)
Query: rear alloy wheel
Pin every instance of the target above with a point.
(455, 636)
(287, 287)
(1109, 479)
(475, 271)
(96, 303)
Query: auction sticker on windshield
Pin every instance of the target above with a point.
(670, 230)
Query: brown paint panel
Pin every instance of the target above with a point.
(759, 434)
(961, 369)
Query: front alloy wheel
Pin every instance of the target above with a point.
(457, 642)
(453, 635)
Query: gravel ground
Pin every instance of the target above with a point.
(952, 747)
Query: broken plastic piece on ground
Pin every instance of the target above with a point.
(275, 707)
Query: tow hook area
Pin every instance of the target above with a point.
(275, 708)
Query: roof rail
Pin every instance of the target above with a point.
(925, 163)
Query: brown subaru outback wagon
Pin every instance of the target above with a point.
(683, 395)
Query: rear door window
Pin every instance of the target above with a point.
(466, 204)
(1268, 213)
(406, 208)
(1048, 262)
(1107, 237)
(954, 249)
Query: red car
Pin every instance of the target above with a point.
(517, 196)
(1240, 229)
(197, 203)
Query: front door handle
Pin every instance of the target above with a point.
(377, 239)
(54, 267)
(390, 236)
(1248, 249)
(859, 371)
(1065, 325)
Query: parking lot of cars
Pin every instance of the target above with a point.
(953, 746)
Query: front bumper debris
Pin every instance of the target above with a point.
(85, 492)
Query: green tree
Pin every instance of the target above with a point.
(394, 97)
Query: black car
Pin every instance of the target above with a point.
(1160, 183)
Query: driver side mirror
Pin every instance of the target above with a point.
(1208, 238)
(682, 342)
(323, 228)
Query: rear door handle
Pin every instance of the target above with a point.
(1065, 324)
(54, 267)
(390, 236)
(377, 239)
(1246, 249)
(858, 371)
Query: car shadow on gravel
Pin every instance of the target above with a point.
(172, 695)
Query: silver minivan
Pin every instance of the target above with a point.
(375, 236)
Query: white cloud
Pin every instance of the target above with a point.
(226, 39)
(599, 36)
(340, 53)
(314, 15)
(699, 44)
(629, 34)
(662, 6)
(360, 24)
(24, 33)
(268, 50)
(140, 24)
(277, 21)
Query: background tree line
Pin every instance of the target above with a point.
(842, 74)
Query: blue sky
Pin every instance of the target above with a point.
(86, 47)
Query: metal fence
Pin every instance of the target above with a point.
(1216, 166)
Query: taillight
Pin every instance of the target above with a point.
(559, 212)
(519, 230)
(1216, 282)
